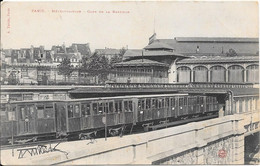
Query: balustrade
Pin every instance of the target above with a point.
(178, 85)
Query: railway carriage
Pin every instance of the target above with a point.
(28, 118)
(47, 118)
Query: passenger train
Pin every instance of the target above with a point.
(27, 119)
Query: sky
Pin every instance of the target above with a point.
(38, 23)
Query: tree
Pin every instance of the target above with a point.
(12, 79)
(85, 61)
(118, 58)
(99, 67)
(122, 52)
(65, 68)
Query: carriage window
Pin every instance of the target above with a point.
(185, 101)
(106, 108)
(148, 103)
(190, 101)
(116, 106)
(40, 112)
(95, 108)
(120, 109)
(100, 108)
(215, 100)
(85, 110)
(139, 104)
(208, 100)
(76, 111)
(49, 112)
(130, 106)
(201, 100)
(31, 112)
(111, 107)
(155, 103)
(181, 101)
(163, 103)
(22, 113)
(160, 103)
(167, 102)
(198, 100)
(125, 106)
(173, 102)
(211, 99)
(26, 112)
(142, 105)
(70, 111)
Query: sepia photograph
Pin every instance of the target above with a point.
(159, 82)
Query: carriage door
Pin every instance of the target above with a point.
(85, 116)
(61, 117)
(110, 114)
(173, 108)
(26, 119)
(190, 105)
(168, 108)
(140, 109)
(119, 112)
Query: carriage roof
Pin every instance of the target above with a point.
(100, 98)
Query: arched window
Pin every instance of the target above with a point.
(252, 73)
(183, 74)
(200, 74)
(217, 74)
(236, 74)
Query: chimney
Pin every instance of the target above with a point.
(152, 38)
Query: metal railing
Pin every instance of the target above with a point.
(177, 85)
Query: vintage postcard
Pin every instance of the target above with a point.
(129, 82)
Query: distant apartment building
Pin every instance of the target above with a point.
(31, 65)
(74, 53)
(108, 52)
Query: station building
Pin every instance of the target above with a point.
(142, 70)
(234, 60)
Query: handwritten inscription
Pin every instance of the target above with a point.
(40, 149)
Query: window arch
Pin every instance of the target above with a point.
(183, 74)
(183, 68)
(252, 73)
(217, 74)
(235, 74)
(200, 74)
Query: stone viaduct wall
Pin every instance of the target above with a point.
(215, 141)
